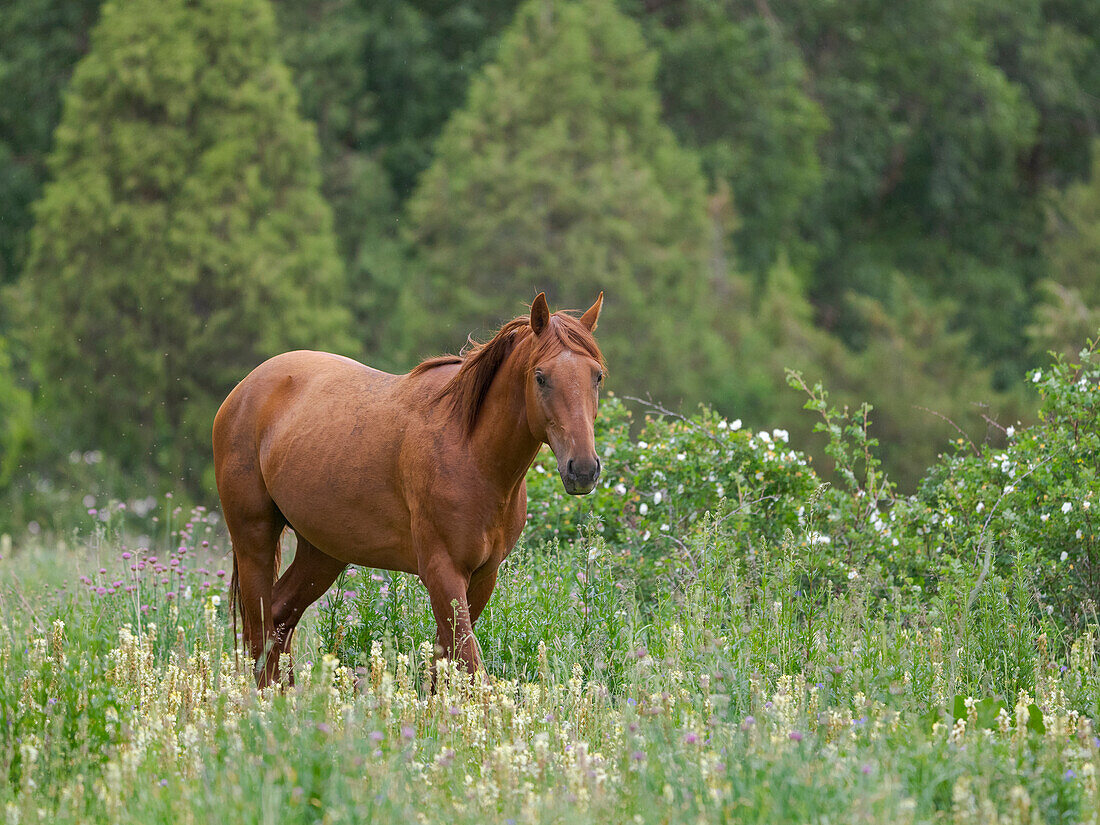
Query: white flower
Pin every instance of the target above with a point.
(1086, 505)
(645, 536)
(1009, 489)
(1044, 517)
(1011, 431)
(722, 424)
(664, 527)
(1079, 535)
(642, 445)
(620, 488)
(1067, 507)
(1037, 377)
(735, 424)
(763, 436)
(215, 600)
(643, 508)
(681, 456)
(1064, 555)
(980, 507)
(949, 520)
(893, 542)
(720, 490)
(852, 575)
(782, 435)
(657, 497)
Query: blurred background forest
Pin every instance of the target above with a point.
(899, 198)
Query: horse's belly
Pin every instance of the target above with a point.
(339, 491)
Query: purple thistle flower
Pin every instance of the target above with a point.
(796, 736)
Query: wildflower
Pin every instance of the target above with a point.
(796, 736)
(642, 445)
(1037, 377)
(643, 508)
(852, 575)
(980, 507)
(1011, 431)
(1044, 517)
(1064, 555)
(735, 424)
(620, 488)
(657, 497)
(1067, 507)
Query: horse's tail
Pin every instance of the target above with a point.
(235, 609)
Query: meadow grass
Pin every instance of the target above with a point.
(738, 690)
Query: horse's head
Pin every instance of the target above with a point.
(563, 385)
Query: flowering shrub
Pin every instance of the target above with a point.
(655, 488)
(1037, 493)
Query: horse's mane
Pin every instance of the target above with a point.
(480, 362)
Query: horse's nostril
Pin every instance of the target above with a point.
(598, 465)
(569, 468)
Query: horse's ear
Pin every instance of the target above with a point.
(540, 314)
(590, 318)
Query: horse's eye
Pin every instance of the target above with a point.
(540, 379)
(599, 378)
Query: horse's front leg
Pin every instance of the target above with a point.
(481, 588)
(447, 584)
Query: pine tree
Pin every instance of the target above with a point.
(183, 238)
(558, 175)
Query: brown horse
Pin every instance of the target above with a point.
(421, 473)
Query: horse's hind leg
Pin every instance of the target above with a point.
(304, 582)
(255, 525)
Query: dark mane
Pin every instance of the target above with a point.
(469, 386)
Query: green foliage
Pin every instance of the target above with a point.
(40, 42)
(183, 238)
(16, 419)
(737, 90)
(1040, 488)
(1070, 307)
(558, 175)
(659, 485)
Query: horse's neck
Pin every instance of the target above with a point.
(502, 438)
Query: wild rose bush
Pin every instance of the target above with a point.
(656, 487)
(1036, 497)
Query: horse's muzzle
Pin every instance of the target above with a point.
(579, 477)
